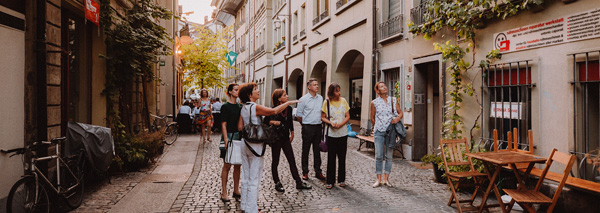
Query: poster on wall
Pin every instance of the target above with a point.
(559, 30)
(92, 11)
(509, 110)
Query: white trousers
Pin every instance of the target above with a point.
(252, 169)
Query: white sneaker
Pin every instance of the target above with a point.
(376, 184)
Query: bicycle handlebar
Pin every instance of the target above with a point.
(34, 144)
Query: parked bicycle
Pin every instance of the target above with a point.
(170, 128)
(30, 193)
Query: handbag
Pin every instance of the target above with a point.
(281, 132)
(233, 155)
(399, 127)
(257, 133)
(230, 136)
(323, 144)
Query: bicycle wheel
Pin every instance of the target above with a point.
(27, 196)
(72, 186)
(171, 134)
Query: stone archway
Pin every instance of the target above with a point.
(319, 72)
(295, 84)
(349, 75)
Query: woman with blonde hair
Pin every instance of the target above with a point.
(385, 111)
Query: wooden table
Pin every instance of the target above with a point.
(503, 159)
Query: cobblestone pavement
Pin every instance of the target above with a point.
(414, 191)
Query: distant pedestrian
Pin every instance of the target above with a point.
(285, 127)
(205, 120)
(383, 115)
(335, 113)
(252, 162)
(309, 114)
(229, 121)
(183, 118)
(216, 111)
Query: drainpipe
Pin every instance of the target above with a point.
(375, 65)
(288, 44)
(41, 100)
(175, 23)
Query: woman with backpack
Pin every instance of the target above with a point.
(252, 162)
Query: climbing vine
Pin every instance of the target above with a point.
(463, 18)
(134, 40)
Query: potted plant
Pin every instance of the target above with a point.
(438, 166)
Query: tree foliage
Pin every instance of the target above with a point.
(463, 18)
(204, 60)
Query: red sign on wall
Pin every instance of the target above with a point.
(92, 11)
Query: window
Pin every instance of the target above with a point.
(392, 23)
(302, 18)
(295, 24)
(507, 103)
(586, 93)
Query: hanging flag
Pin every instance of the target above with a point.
(92, 11)
(231, 56)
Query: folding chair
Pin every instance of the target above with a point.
(456, 150)
(497, 145)
(526, 198)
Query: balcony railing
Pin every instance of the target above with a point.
(391, 27)
(295, 37)
(316, 20)
(340, 3)
(242, 49)
(324, 14)
(302, 33)
(417, 14)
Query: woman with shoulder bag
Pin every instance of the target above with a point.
(285, 135)
(252, 162)
(205, 120)
(229, 119)
(383, 117)
(335, 113)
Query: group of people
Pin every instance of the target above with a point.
(319, 118)
(203, 112)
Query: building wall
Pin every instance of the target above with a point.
(12, 83)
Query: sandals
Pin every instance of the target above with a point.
(329, 186)
(342, 184)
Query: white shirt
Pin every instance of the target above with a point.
(384, 113)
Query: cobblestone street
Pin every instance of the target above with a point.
(414, 189)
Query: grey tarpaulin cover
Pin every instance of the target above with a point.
(96, 140)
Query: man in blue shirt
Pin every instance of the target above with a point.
(309, 114)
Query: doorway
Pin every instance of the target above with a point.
(427, 108)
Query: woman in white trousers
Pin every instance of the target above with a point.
(252, 160)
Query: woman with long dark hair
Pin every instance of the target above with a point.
(205, 115)
(335, 113)
(285, 128)
(230, 115)
(252, 162)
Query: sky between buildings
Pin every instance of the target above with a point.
(201, 8)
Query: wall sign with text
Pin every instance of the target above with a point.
(580, 26)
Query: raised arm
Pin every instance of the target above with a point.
(268, 111)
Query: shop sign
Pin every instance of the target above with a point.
(92, 11)
(559, 30)
(510, 110)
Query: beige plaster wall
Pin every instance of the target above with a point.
(12, 83)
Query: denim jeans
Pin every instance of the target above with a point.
(380, 149)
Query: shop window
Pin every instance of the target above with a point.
(506, 103)
(586, 112)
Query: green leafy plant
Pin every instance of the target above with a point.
(134, 40)
(463, 18)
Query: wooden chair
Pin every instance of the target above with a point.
(456, 150)
(516, 142)
(526, 198)
(497, 146)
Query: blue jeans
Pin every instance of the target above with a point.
(380, 149)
